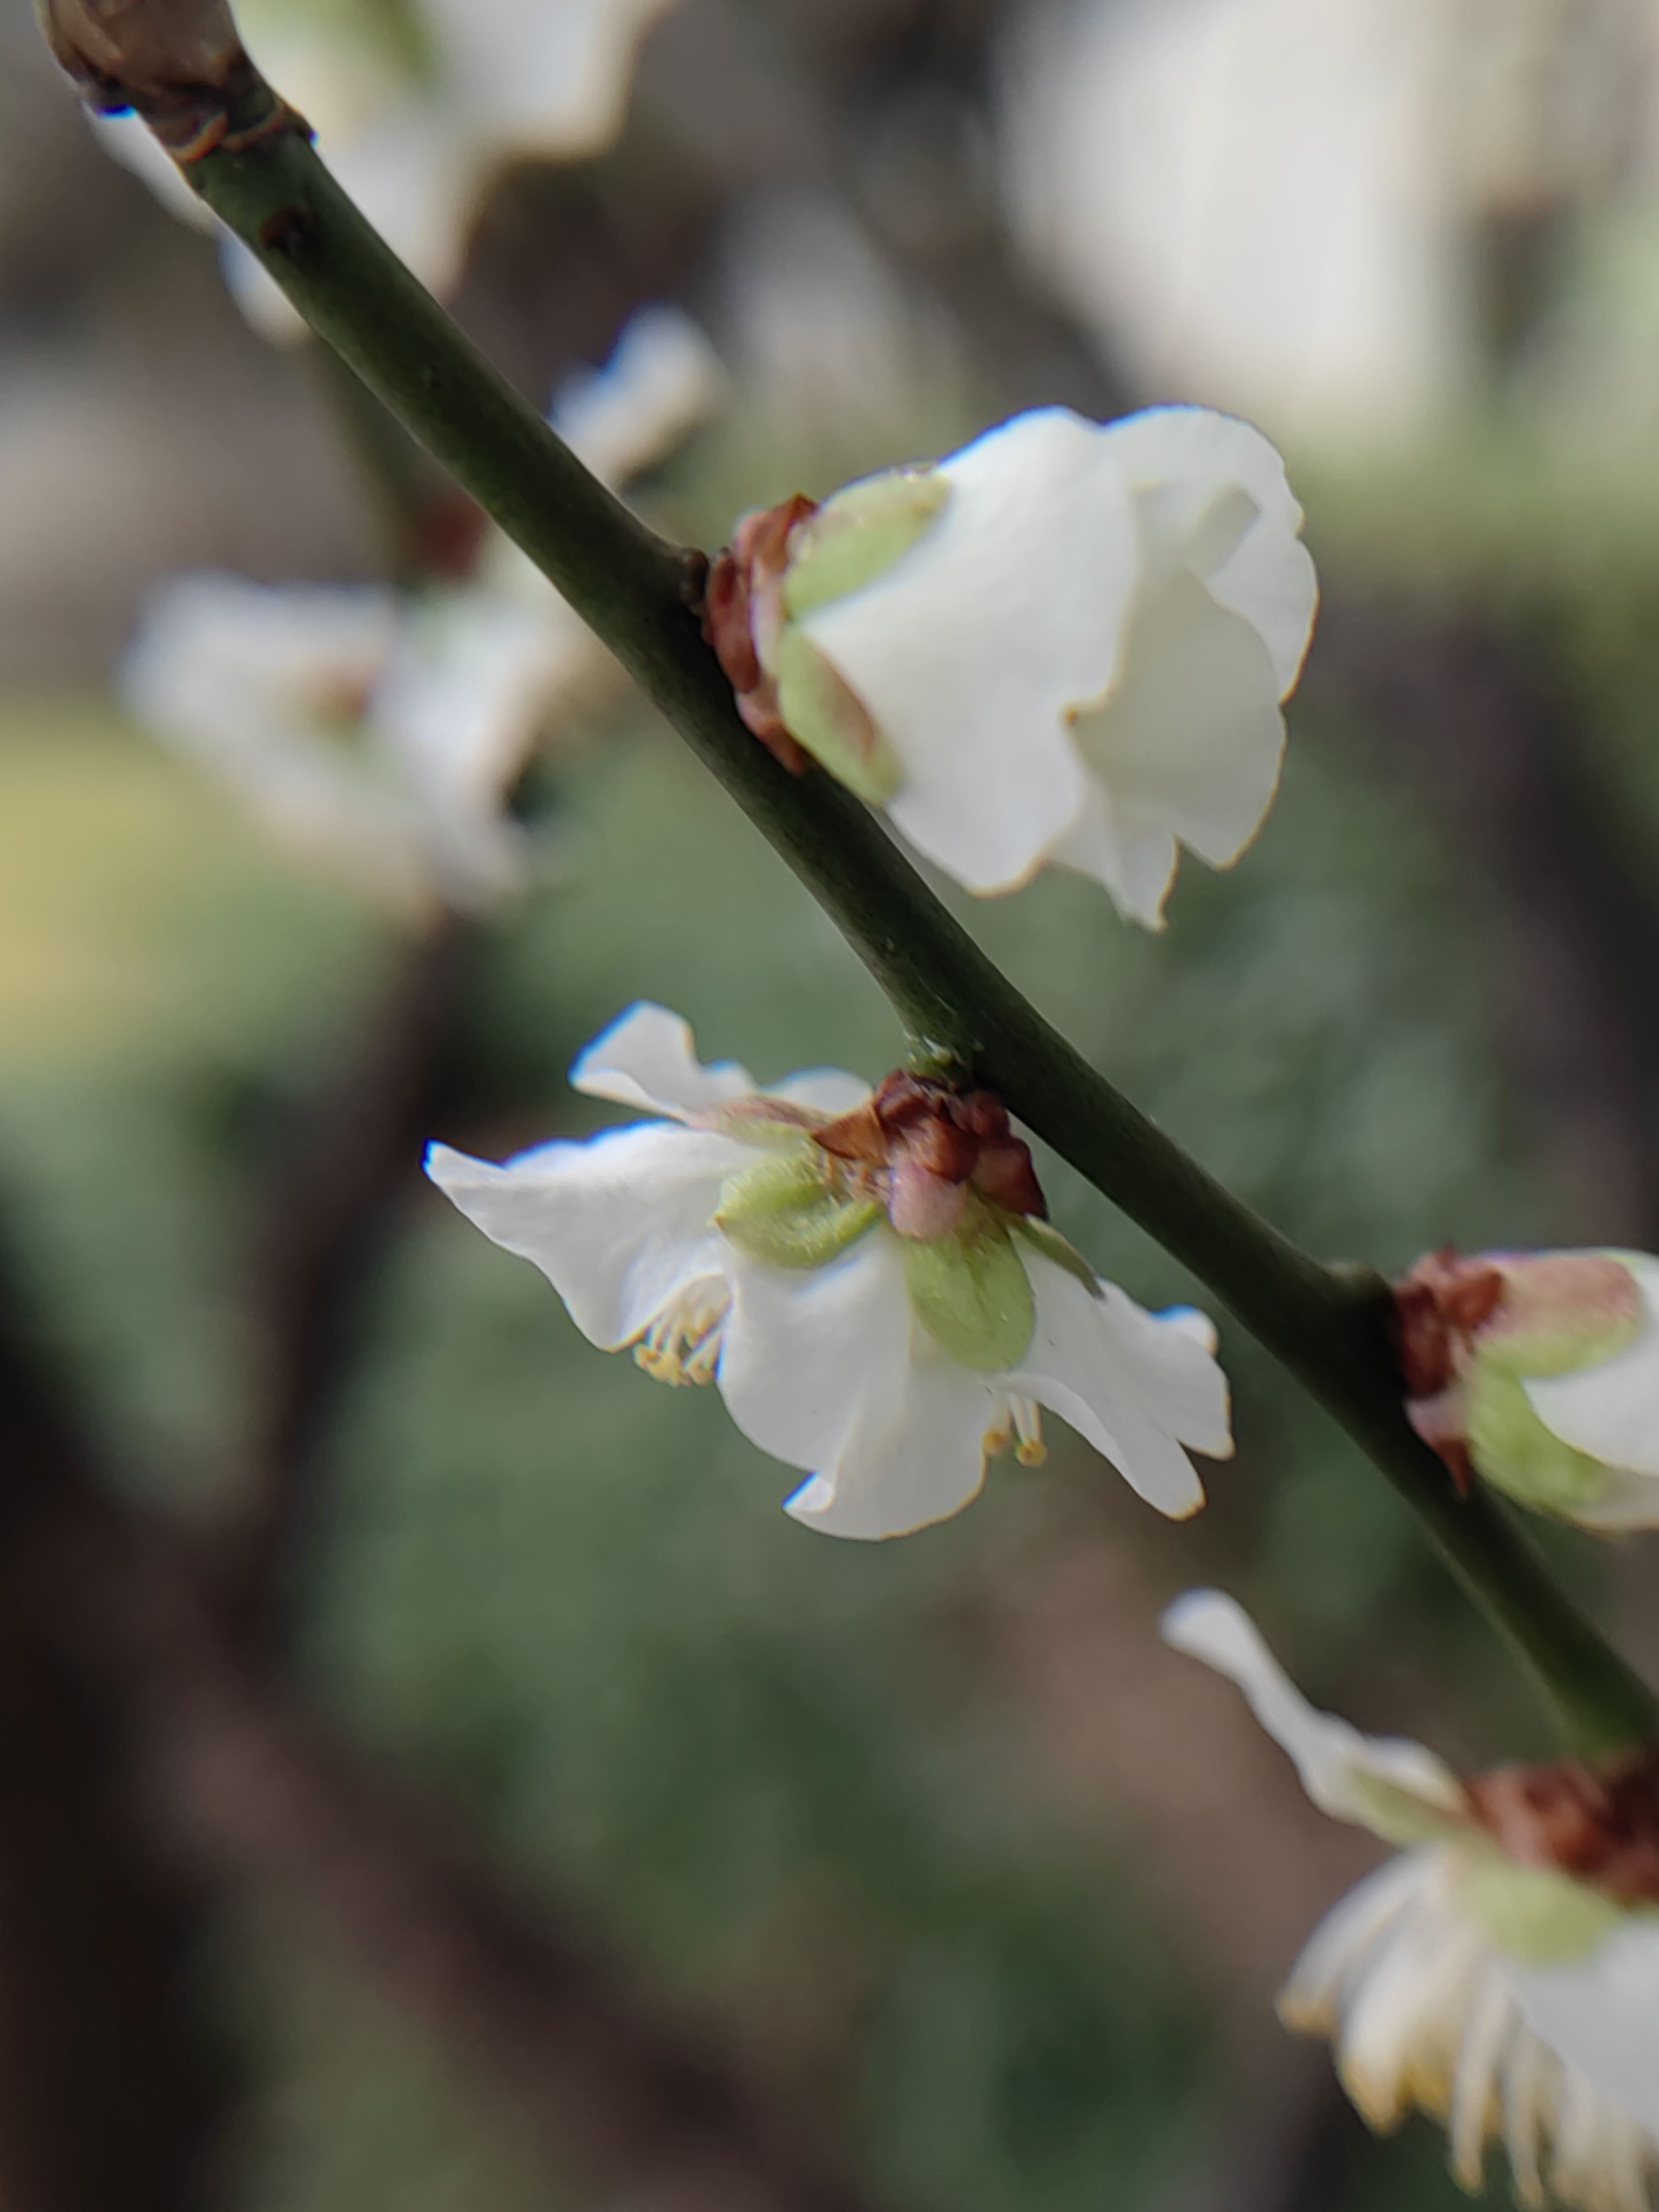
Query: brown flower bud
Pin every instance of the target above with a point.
(177, 63)
(1598, 1824)
(933, 1142)
(741, 611)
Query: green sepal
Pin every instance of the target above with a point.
(822, 713)
(1535, 1914)
(1043, 1236)
(971, 1293)
(1399, 1815)
(1511, 1449)
(857, 536)
(789, 1209)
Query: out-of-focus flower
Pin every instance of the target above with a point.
(865, 1275)
(1502, 1971)
(379, 733)
(1067, 642)
(1540, 1371)
(416, 106)
(1282, 206)
(384, 731)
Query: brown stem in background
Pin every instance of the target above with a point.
(216, 1784)
(331, 1213)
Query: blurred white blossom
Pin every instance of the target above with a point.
(1279, 205)
(1067, 642)
(749, 1238)
(417, 107)
(1539, 1373)
(383, 731)
(1473, 1976)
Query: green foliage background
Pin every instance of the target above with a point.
(787, 1774)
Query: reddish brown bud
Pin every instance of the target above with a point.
(177, 63)
(1007, 1174)
(741, 611)
(1598, 1824)
(924, 1133)
(858, 1135)
(1437, 1307)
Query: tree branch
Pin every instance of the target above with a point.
(1327, 1326)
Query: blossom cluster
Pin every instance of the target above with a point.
(1501, 1971)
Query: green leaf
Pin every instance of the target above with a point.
(790, 1210)
(971, 1293)
(857, 535)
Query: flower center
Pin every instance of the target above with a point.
(683, 1343)
(1597, 1823)
(1017, 1421)
(929, 1143)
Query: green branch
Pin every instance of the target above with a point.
(1327, 1327)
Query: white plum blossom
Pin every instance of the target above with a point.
(417, 107)
(380, 731)
(746, 1238)
(376, 733)
(1539, 1373)
(1066, 643)
(1473, 1976)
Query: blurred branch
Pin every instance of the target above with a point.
(331, 1215)
(221, 1785)
(1329, 1327)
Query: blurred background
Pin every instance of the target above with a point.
(932, 1854)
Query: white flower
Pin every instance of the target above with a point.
(1540, 1371)
(726, 1244)
(662, 381)
(416, 110)
(1470, 1976)
(378, 733)
(383, 732)
(1067, 642)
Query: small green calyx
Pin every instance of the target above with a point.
(1534, 1914)
(821, 712)
(1044, 1238)
(1512, 1449)
(791, 1210)
(971, 1291)
(1400, 1816)
(859, 534)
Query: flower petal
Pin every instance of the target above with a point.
(662, 379)
(1134, 858)
(828, 1372)
(618, 1224)
(968, 651)
(647, 1057)
(1333, 1760)
(1132, 1386)
(1190, 737)
(1187, 455)
(829, 1090)
(1601, 2015)
(1611, 1410)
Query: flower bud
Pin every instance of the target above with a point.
(176, 61)
(1540, 1373)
